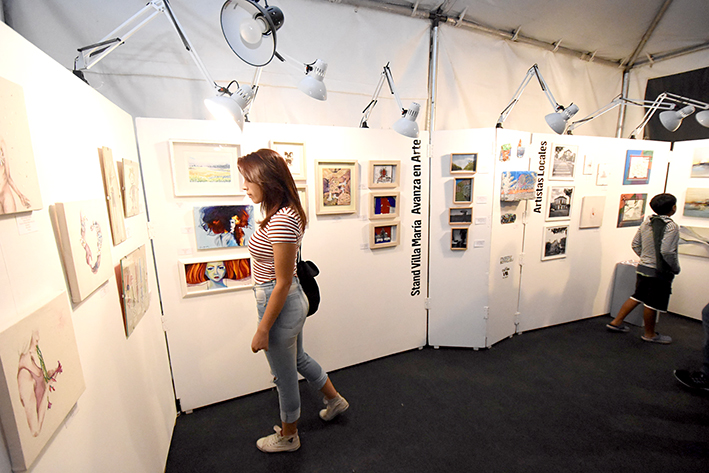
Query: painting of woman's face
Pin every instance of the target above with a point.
(215, 271)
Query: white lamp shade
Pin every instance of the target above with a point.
(557, 121)
(407, 125)
(703, 118)
(312, 84)
(250, 30)
(672, 119)
(225, 107)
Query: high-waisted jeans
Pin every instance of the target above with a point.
(285, 354)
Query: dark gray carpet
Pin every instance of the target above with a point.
(570, 398)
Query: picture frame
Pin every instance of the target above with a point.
(464, 163)
(603, 174)
(294, 154)
(384, 174)
(559, 202)
(114, 196)
(383, 234)
(383, 205)
(202, 168)
(592, 208)
(459, 238)
(587, 165)
(463, 190)
(303, 195)
(223, 226)
(130, 186)
(694, 241)
(460, 216)
(554, 241)
(700, 163)
(563, 162)
(135, 291)
(336, 187)
(203, 276)
(638, 165)
(631, 210)
(517, 186)
(696, 203)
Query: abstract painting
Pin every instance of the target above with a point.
(130, 185)
(215, 275)
(563, 162)
(631, 210)
(114, 198)
(700, 163)
(694, 241)
(205, 169)
(696, 203)
(383, 174)
(637, 167)
(554, 242)
(336, 187)
(40, 381)
(383, 205)
(559, 202)
(464, 163)
(222, 226)
(135, 289)
(294, 154)
(517, 185)
(592, 211)
(382, 235)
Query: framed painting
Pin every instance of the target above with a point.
(294, 154)
(554, 242)
(592, 211)
(383, 235)
(82, 228)
(631, 210)
(336, 189)
(563, 162)
(303, 195)
(696, 203)
(464, 163)
(603, 174)
(559, 200)
(223, 226)
(637, 167)
(18, 173)
(517, 185)
(463, 190)
(459, 239)
(205, 169)
(588, 165)
(700, 163)
(460, 215)
(211, 276)
(40, 381)
(130, 185)
(694, 241)
(135, 289)
(114, 196)
(383, 174)
(383, 205)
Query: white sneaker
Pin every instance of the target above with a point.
(278, 442)
(334, 407)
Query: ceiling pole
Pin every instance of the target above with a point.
(621, 113)
(646, 36)
(432, 72)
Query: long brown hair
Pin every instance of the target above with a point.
(268, 170)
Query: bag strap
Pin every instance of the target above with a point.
(298, 259)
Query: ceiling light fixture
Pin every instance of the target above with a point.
(406, 125)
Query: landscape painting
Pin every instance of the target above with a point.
(700, 163)
(464, 163)
(696, 203)
(205, 169)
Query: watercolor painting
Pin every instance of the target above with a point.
(135, 289)
(464, 163)
(130, 185)
(223, 226)
(631, 210)
(517, 185)
(40, 381)
(638, 165)
(212, 276)
(563, 159)
(383, 174)
(554, 242)
(463, 190)
(694, 241)
(559, 202)
(603, 174)
(696, 203)
(592, 211)
(337, 187)
(294, 154)
(205, 169)
(114, 197)
(700, 163)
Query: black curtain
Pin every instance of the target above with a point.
(693, 85)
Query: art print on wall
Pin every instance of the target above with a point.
(694, 241)
(464, 163)
(592, 211)
(130, 185)
(459, 239)
(603, 174)
(696, 203)
(637, 167)
(83, 237)
(40, 381)
(212, 276)
(383, 174)
(223, 226)
(563, 162)
(559, 202)
(336, 187)
(700, 163)
(517, 185)
(135, 289)
(631, 210)
(205, 169)
(463, 190)
(460, 216)
(19, 186)
(587, 165)
(383, 205)
(303, 195)
(383, 235)
(294, 154)
(554, 242)
(114, 196)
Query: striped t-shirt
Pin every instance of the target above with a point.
(283, 227)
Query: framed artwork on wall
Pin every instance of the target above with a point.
(383, 234)
(694, 241)
(114, 197)
(130, 185)
(303, 194)
(463, 190)
(554, 242)
(294, 154)
(459, 238)
(199, 276)
(222, 226)
(517, 185)
(587, 165)
(603, 174)
(631, 210)
(637, 167)
(696, 203)
(383, 174)
(563, 162)
(464, 163)
(205, 169)
(383, 205)
(592, 211)
(135, 289)
(700, 163)
(559, 202)
(336, 187)
(460, 215)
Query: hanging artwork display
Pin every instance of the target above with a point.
(294, 154)
(459, 239)
(40, 381)
(303, 195)
(19, 186)
(637, 167)
(587, 165)
(383, 174)
(559, 202)
(130, 185)
(463, 190)
(135, 289)
(383, 205)
(212, 276)
(554, 242)
(592, 211)
(336, 183)
(505, 152)
(517, 185)
(383, 235)
(464, 163)
(694, 241)
(460, 215)
(563, 162)
(205, 169)
(603, 174)
(222, 226)
(696, 203)
(631, 210)
(114, 197)
(82, 228)
(700, 163)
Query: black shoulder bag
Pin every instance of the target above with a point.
(306, 271)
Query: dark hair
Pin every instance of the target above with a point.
(663, 204)
(217, 219)
(268, 170)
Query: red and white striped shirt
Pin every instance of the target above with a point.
(284, 227)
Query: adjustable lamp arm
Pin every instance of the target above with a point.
(386, 74)
(532, 72)
(618, 100)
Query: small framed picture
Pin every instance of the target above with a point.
(464, 163)
(294, 154)
(592, 211)
(700, 163)
(223, 226)
(459, 239)
(554, 242)
(130, 185)
(383, 205)
(303, 194)
(214, 275)
(384, 174)
(559, 202)
(603, 174)
(463, 190)
(563, 162)
(384, 234)
(336, 189)
(205, 169)
(637, 167)
(460, 215)
(631, 210)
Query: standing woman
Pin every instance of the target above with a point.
(282, 306)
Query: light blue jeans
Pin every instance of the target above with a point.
(285, 354)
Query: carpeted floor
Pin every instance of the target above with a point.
(570, 398)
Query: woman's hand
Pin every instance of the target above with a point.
(260, 341)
